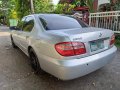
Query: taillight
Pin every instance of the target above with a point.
(70, 48)
(112, 40)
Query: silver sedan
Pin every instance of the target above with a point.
(63, 46)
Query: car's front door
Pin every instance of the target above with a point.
(16, 35)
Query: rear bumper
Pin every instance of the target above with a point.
(70, 69)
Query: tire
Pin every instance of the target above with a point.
(34, 62)
(12, 41)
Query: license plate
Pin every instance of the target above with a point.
(96, 45)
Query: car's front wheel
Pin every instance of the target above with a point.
(34, 61)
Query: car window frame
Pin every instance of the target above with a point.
(27, 22)
(21, 21)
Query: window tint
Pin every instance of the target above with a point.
(28, 24)
(20, 24)
(56, 22)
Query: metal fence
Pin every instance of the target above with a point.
(107, 20)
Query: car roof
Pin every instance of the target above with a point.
(47, 15)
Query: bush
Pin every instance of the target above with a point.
(64, 8)
(117, 43)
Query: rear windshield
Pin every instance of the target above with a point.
(56, 22)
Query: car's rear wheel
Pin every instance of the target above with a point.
(12, 41)
(34, 62)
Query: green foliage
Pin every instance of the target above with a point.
(117, 43)
(117, 5)
(90, 5)
(14, 9)
(7, 5)
(3, 5)
(43, 6)
(11, 11)
(64, 8)
(79, 2)
(59, 9)
(19, 8)
(4, 10)
(22, 7)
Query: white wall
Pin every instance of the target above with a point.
(55, 2)
(102, 2)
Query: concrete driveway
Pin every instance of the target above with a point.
(16, 73)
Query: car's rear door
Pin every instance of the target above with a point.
(26, 33)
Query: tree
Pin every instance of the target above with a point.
(81, 3)
(59, 9)
(64, 8)
(19, 8)
(43, 6)
(5, 6)
(78, 2)
(89, 3)
(16, 8)
(117, 5)
(22, 8)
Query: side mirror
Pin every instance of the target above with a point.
(14, 28)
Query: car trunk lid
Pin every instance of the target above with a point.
(95, 39)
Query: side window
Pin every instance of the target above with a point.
(44, 23)
(20, 24)
(28, 24)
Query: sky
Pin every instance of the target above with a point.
(55, 2)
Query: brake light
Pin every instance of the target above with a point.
(70, 48)
(112, 40)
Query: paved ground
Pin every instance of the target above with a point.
(16, 73)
